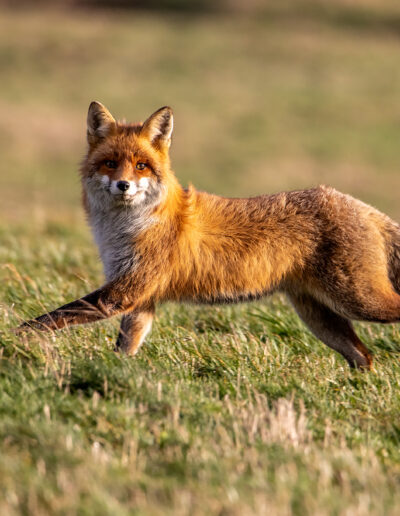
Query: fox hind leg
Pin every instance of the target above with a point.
(135, 326)
(332, 329)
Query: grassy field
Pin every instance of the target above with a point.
(226, 410)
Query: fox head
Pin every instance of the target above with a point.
(126, 164)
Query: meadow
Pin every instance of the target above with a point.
(234, 410)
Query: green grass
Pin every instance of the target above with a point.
(232, 410)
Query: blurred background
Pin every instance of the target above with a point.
(267, 95)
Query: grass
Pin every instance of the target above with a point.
(233, 410)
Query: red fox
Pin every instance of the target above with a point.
(334, 257)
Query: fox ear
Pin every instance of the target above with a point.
(100, 123)
(158, 127)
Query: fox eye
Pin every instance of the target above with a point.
(111, 163)
(140, 165)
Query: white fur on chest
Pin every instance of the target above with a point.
(114, 232)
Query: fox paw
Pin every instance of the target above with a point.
(29, 326)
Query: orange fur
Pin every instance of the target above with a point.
(335, 257)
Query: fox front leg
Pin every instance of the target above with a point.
(100, 304)
(135, 325)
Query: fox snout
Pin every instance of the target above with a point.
(119, 187)
(123, 185)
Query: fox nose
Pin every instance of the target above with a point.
(123, 185)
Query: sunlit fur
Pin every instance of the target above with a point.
(335, 257)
